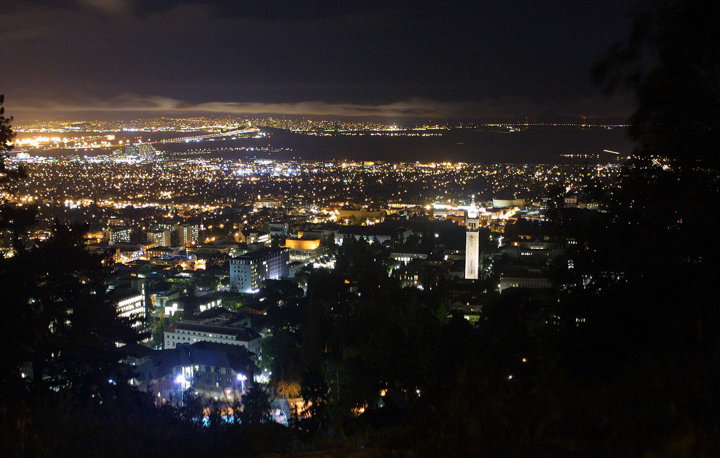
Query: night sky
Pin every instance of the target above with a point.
(499, 60)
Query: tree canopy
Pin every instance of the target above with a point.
(60, 330)
(671, 61)
(6, 137)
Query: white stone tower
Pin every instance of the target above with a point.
(472, 243)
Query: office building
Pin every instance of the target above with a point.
(160, 237)
(188, 234)
(251, 269)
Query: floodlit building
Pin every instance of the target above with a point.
(189, 332)
(120, 252)
(251, 237)
(360, 216)
(534, 249)
(160, 300)
(195, 303)
(472, 243)
(212, 370)
(508, 203)
(251, 269)
(115, 221)
(406, 256)
(268, 203)
(130, 304)
(303, 250)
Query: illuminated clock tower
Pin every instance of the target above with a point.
(472, 243)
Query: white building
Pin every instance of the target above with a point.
(251, 237)
(508, 203)
(528, 279)
(251, 269)
(184, 332)
(406, 256)
(472, 243)
(131, 306)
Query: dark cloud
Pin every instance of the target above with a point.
(284, 53)
(500, 108)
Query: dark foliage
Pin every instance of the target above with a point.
(625, 365)
(671, 61)
(256, 406)
(60, 330)
(6, 137)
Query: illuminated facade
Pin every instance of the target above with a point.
(212, 370)
(508, 203)
(527, 278)
(251, 269)
(303, 250)
(119, 234)
(192, 332)
(131, 305)
(252, 237)
(160, 237)
(188, 234)
(472, 243)
(146, 151)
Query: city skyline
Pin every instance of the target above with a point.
(365, 229)
(124, 58)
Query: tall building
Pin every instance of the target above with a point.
(119, 234)
(131, 151)
(146, 152)
(160, 237)
(251, 269)
(472, 243)
(140, 151)
(188, 234)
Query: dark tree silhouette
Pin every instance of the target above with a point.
(13, 220)
(671, 61)
(6, 137)
(60, 330)
(256, 406)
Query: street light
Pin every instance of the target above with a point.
(242, 378)
(180, 379)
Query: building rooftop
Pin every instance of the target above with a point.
(241, 334)
(255, 255)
